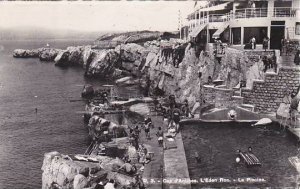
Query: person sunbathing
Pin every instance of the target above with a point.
(128, 168)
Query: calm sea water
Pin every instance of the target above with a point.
(217, 145)
(26, 84)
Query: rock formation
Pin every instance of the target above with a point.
(45, 54)
(68, 172)
(97, 125)
(115, 39)
(22, 53)
(48, 54)
(154, 64)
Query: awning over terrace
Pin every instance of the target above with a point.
(197, 30)
(220, 30)
(216, 7)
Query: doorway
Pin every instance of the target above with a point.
(277, 33)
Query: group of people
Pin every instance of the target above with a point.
(286, 46)
(269, 62)
(252, 43)
(111, 184)
(219, 47)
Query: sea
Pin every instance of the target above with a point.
(26, 135)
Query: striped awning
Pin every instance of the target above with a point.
(197, 30)
(219, 31)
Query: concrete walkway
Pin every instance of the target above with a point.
(153, 173)
(167, 166)
(176, 173)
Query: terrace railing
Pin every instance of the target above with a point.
(251, 13)
(263, 12)
(245, 13)
(284, 12)
(219, 17)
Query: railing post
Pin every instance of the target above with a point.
(259, 12)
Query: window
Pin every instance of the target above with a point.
(236, 35)
(297, 28)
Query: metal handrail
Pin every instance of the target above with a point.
(245, 13)
(284, 12)
(251, 13)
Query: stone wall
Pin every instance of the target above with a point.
(223, 97)
(220, 97)
(267, 94)
(209, 94)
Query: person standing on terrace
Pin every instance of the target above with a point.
(282, 45)
(252, 6)
(265, 43)
(185, 108)
(253, 42)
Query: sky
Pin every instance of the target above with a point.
(95, 15)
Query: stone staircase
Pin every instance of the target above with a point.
(287, 60)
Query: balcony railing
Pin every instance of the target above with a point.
(284, 12)
(251, 13)
(246, 13)
(219, 17)
(263, 12)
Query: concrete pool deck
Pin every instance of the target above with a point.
(176, 167)
(168, 165)
(153, 173)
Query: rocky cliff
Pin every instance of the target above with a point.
(168, 66)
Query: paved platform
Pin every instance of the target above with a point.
(176, 170)
(167, 164)
(153, 172)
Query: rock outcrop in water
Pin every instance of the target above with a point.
(45, 54)
(22, 53)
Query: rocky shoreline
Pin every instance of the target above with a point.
(156, 65)
(164, 67)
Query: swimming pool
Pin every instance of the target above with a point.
(217, 143)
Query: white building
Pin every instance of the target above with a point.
(235, 22)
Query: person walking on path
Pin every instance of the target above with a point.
(160, 135)
(147, 130)
(148, 120)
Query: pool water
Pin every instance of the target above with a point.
(217, 143)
